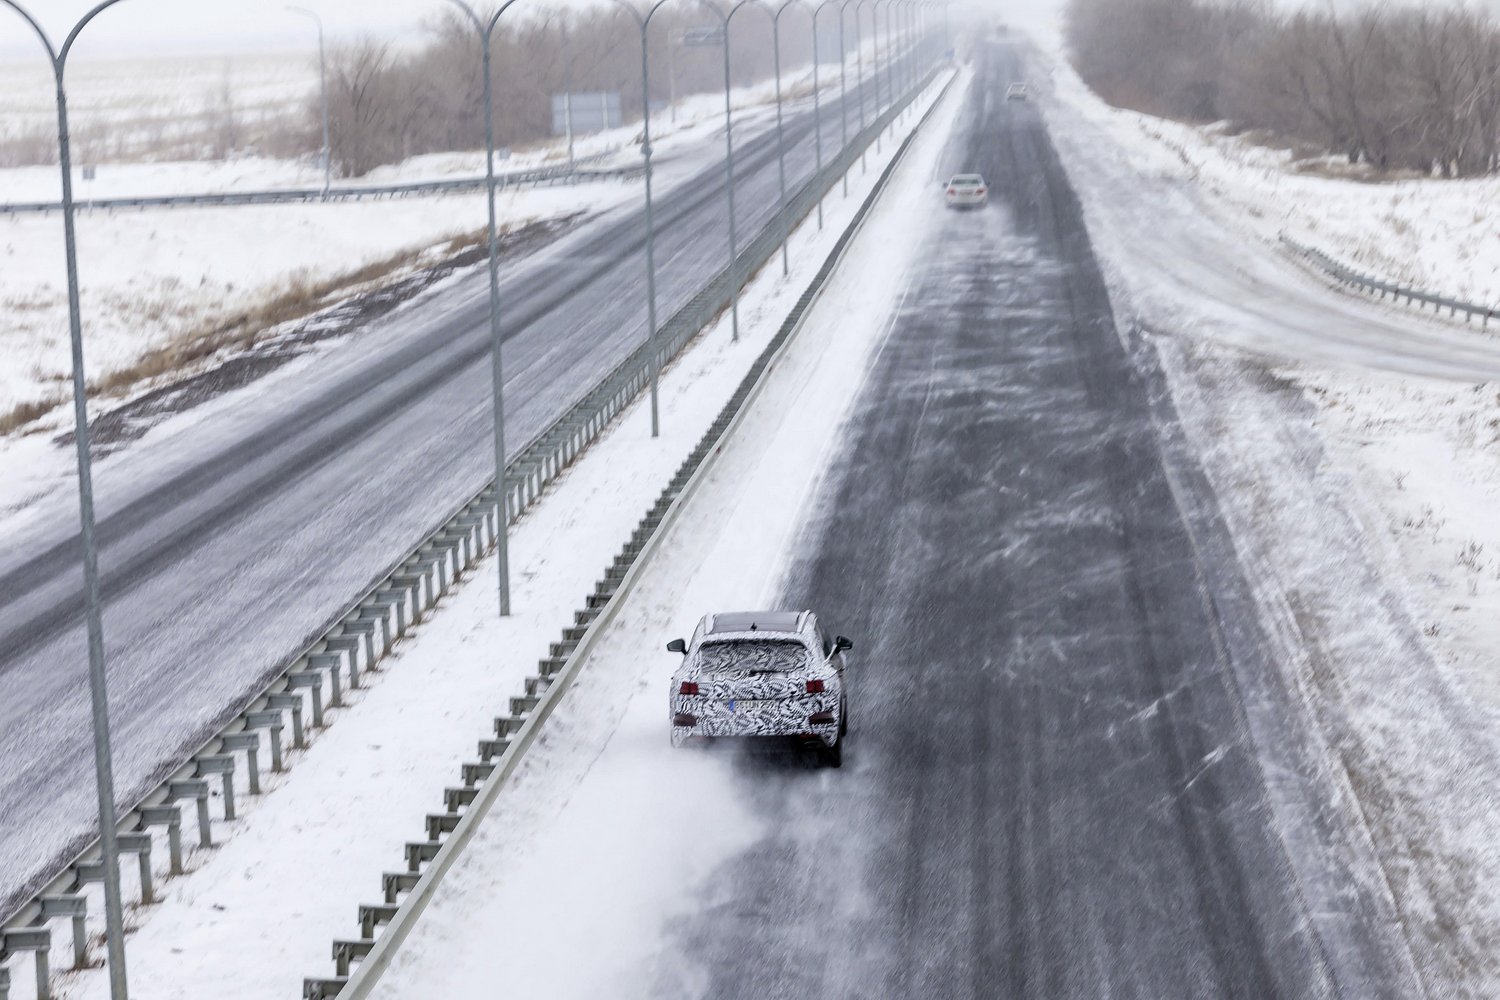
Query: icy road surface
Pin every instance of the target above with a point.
(231, 536)
(1053, 785)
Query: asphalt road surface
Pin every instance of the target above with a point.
(226, 548)
(1049, 790)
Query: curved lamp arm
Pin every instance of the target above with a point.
(726, 13)
(67, 45)
(40, 33)
(642, 19)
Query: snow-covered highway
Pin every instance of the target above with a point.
(1057, 782)
(230, 536)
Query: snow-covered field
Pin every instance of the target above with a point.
(1440, 235)
(152, 108)
(1354, 451)
(157, 279)
(259, 912)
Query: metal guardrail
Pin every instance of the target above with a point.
(384, 926)
(559, 174)
(1380, 288)
(260, 736)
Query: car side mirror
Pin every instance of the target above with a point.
(677, 646)
(841, 643)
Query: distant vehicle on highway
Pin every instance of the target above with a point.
(1016, 92)
(762, 675)
(968, 191)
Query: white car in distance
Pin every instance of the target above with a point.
(968, 191)
(1016, 92)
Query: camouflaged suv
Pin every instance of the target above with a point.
(761, 674)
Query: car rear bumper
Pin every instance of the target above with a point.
(815, 716)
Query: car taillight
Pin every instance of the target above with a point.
(814, 687)
(688, 687)
(684, 719)
(821, 719)
(979, 190)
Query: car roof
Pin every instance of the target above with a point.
(754, 621)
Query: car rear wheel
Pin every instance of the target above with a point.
(833, 756)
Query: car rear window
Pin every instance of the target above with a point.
(967, 181)
(756, 656)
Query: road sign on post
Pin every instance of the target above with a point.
(706, 37)
(577, 114)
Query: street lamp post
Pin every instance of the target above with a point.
(903, 70)
(817, 103)
(725, 17)
(859, 71)
(485, 31)
(844, 92)
(843, 89)
(644, 22)
(109, 856)
(890, 66)
(780, 141)
(817, 116)
(875, 69)
(568, 95)
(322, 94)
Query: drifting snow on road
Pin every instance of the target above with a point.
(1054, 783)
(1340, 438)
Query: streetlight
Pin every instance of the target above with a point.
(114, 936)
(780, 142)
(875, 58)
(844, 90)
(322, 93)
(859, 71)
(817, 99)
(644, 21)
(817, 116)
(890, 65)
(734, 286)
(502, 545)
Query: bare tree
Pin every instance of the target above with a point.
(1413, 88)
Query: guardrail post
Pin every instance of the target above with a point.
(330, 662)
(393, 884)
(313, 682)
(292, 702)
(196, 789)
(171, 818)
(38, 941)
(269, 720)
(140, 845)
(4, 983)
(349, 645)
(221, 764)
(74, 908)
(248, 743)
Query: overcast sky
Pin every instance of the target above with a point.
(141, 27)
